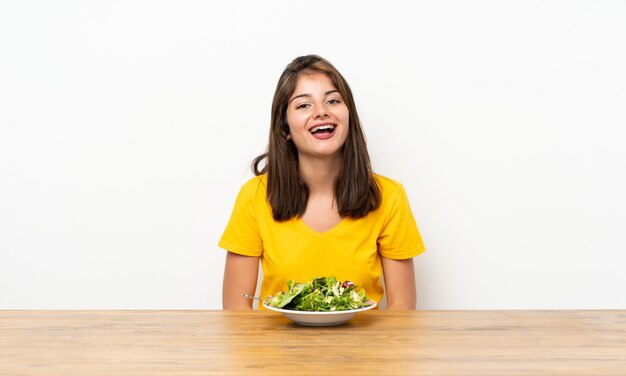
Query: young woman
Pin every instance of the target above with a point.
(315, 208)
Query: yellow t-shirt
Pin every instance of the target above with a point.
(349, 251)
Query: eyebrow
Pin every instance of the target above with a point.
(309, 95)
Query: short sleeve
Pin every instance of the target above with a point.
(400, 238)
(242, 233)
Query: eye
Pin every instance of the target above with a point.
(333, 101)
(302, 105)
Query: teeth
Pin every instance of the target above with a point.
(331, 127)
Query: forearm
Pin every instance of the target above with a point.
(399, 284)
(240, 277)
(402, 305)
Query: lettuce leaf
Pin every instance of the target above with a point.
(319, 294)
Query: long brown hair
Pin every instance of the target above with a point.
(356, 190)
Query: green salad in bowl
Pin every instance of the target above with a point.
(322, 301)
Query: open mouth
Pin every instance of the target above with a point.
(323, 131)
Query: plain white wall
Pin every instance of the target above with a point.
(127, 128)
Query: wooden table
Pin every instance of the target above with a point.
(265, 343)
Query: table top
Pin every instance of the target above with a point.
(590, 342)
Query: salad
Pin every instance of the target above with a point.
(320, 294)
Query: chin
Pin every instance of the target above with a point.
(329, 154)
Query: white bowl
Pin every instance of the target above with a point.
(324, 318)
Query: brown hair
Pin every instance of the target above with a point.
(356, 190)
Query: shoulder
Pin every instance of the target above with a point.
(388, 187)
(253, 192)
(257, 186)
(392, 193)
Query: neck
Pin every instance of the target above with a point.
(320, 174)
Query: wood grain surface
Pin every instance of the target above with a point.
(265, 343)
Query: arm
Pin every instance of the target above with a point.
(399, 283)
(240, 276)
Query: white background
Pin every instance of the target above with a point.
(127, 128)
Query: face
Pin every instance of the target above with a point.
(317, 117)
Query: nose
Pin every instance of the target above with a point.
(321, 112)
